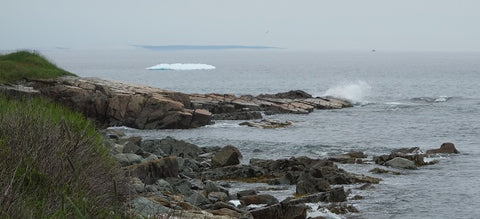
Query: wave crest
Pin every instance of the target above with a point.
(181, 66)
(355, 92)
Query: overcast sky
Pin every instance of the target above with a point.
(419, 25)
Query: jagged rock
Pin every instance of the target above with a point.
(197, 199)
(445, 148)
(171, 147)
(294, 94)
(281, 211)
(150, 172)
(309, 184)
(402, 163)
(147, 207)
(179, 148)
(227, 156)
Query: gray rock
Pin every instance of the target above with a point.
(179, 148)
(401, 163)
(128, 159)
(197, 199)
(147, 207)
(227, 156)
(151, 146)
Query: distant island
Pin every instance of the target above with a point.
(205, 47)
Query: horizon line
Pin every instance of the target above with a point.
(203, 47)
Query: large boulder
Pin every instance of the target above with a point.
(227, 156)
(445, 148)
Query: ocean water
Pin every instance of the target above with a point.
(401, 100)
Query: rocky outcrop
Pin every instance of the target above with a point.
(117, 103)
(143, 107)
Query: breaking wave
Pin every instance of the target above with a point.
(356, 92)
(181, 66)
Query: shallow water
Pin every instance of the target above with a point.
(402, 100)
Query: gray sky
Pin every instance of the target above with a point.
(419, 25)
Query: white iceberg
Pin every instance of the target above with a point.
(181, 66)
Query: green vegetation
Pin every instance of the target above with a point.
(53, 164)
(24, 64)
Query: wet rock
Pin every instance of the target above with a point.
(336, 195)
(246, 193)
(366, 186)
(294, 94)
(227, 156)
(401, 163)
(213, 187)
(445, 148)
(267, 124)
(309, 184)
(259, 199)
(150, 172)
(382, 171)
(242, 115)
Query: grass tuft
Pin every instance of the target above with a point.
(27, 65)
(53, 163)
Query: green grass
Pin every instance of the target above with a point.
(53, 164)
(27, 65)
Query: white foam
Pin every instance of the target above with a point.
(356, 92)
(181, 66)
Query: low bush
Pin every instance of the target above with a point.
(53, 163)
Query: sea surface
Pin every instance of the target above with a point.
(401, 100)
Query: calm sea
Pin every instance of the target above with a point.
(401, 100)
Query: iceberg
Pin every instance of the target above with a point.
(181, 66)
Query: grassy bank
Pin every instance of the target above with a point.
(53, 163)
(24, 64)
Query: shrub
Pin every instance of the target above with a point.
(53, 163)
(24, 64)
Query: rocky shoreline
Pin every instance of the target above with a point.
(143, 107)
(174, 178)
